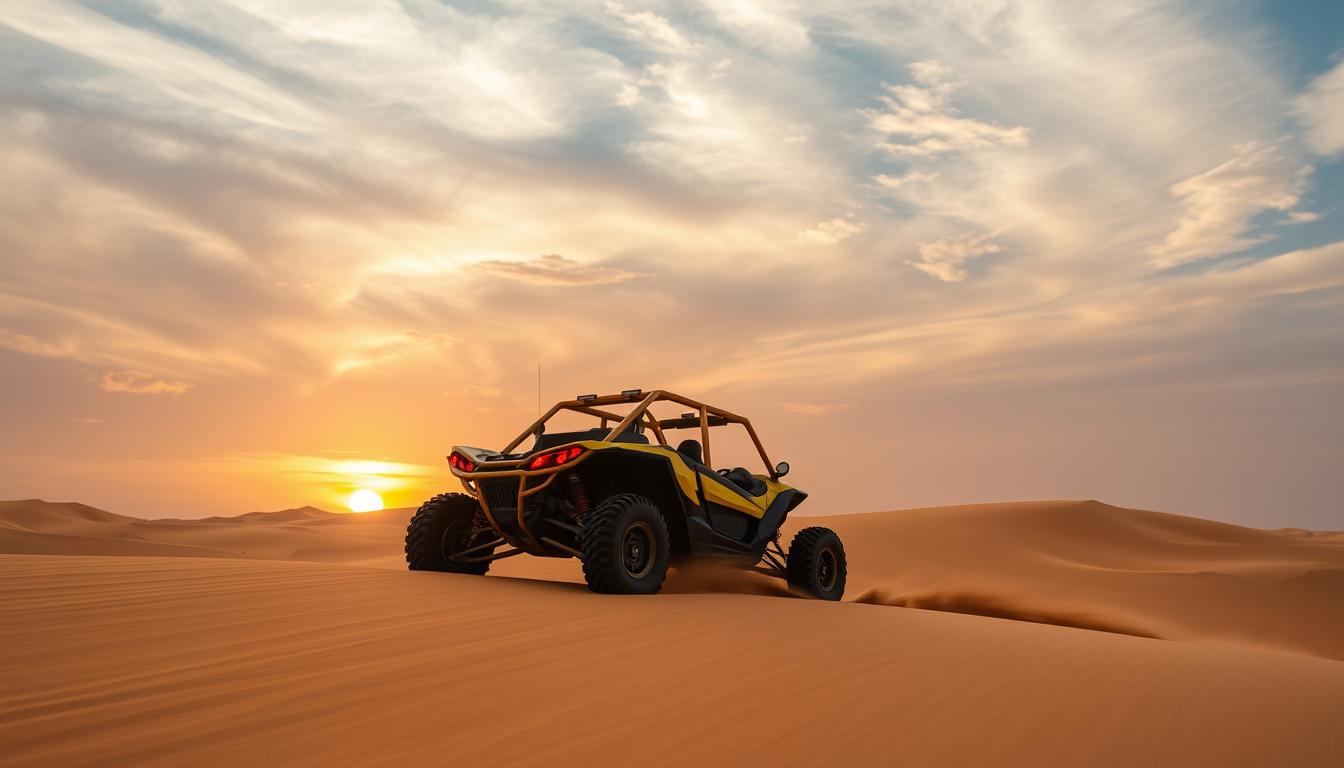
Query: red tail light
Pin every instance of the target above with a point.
(460, 462)
(555, 458)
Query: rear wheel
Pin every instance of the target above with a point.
(625, 546)
(442, 527)
(816, 563)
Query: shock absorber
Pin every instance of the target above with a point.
(578, 495)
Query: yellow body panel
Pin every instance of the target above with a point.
(725, 497)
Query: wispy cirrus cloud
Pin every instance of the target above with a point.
(1217, 205)
(141, 383)
(554, 269)
(1321, 109)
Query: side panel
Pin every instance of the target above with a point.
(724, 493)
(685, 476)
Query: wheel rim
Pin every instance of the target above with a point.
(637, 549)
(827, 570)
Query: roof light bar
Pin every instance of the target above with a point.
(631, 392)
(586, 398)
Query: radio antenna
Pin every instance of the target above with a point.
(538, 390)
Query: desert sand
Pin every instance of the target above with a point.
(1063, 633)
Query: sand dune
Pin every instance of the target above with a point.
(39, 527)
(170, 661)
(1080, 564)
(226, 647)
(1088, 564)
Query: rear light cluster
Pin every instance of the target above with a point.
(555, 458)
(458, 461)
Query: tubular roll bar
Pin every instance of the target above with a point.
(593, 406)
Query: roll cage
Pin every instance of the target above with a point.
(702, 415)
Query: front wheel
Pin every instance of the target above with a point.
(442, 527)
(816, 563)
(625, 546)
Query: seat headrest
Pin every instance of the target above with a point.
(690, 449)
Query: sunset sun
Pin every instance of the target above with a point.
(365, 500)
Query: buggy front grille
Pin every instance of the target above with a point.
(500, 493)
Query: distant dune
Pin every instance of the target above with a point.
(267, 638)
(307, 533)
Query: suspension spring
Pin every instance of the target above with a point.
(579, 496)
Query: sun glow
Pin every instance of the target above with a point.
(365, 500)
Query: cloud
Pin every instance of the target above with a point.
(1321, 110)
(554, 269)
(815, 409)
(830, 232)
(22, 342)
(946, 259)
(279, 214)
(763, 25)
(141, 383)
(905, 179)
(925, 123)
(650, 27)
(1217, 205)
(628, 96)
(1116, 336)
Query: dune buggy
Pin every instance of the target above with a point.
(625, 505)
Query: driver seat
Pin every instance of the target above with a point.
(746, 481)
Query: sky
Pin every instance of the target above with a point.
(264, 253)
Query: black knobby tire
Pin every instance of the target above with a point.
(625, 546)
(816, 563)
(443, 525)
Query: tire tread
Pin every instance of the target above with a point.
(600, 561)
(800, 565)
(425, 530)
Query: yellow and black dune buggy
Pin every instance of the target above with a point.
(623, 504)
